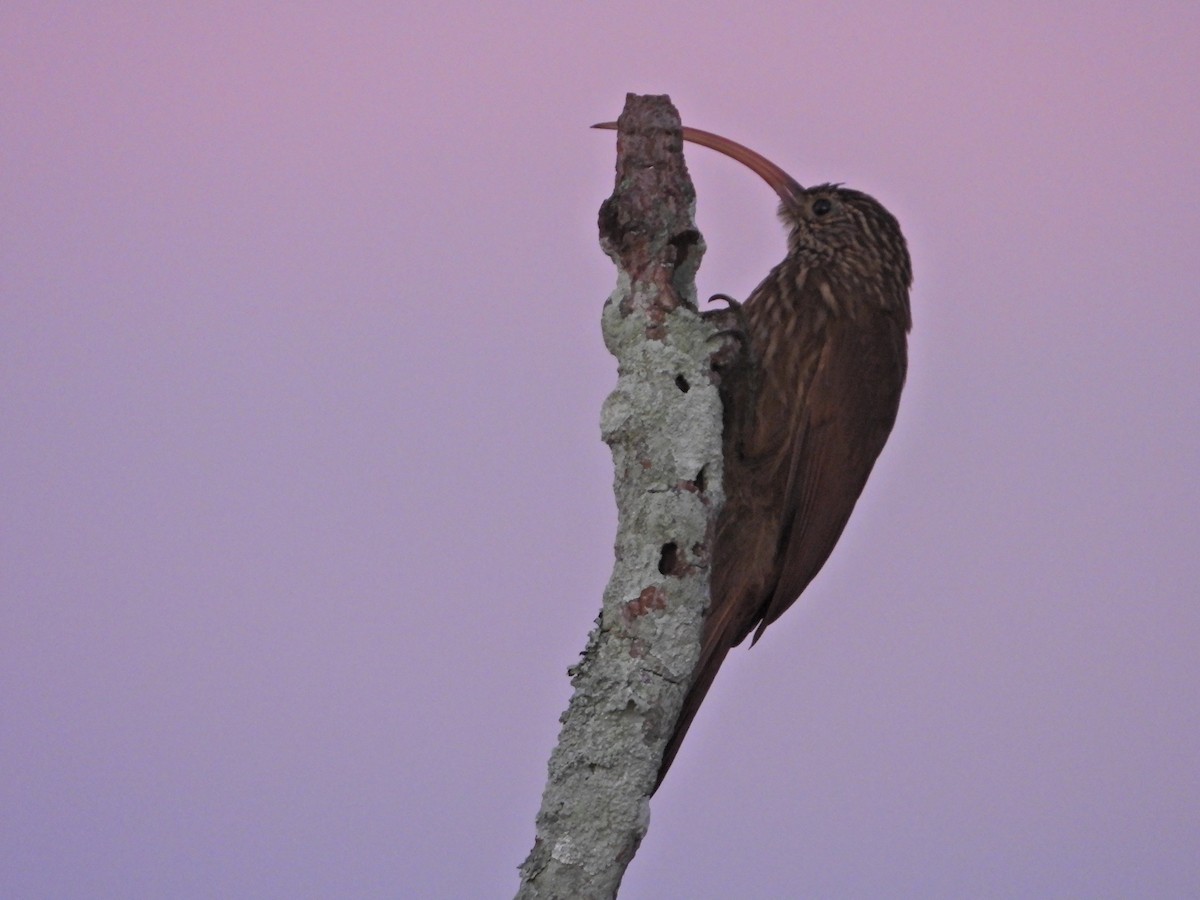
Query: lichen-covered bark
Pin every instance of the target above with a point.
(663, 423)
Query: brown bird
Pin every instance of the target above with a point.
(808, 409)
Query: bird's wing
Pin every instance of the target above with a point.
(847, 380)
(850, 406)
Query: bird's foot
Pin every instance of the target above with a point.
(732, 331)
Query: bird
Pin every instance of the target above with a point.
(823, 356)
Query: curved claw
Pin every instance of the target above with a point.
(729, 301)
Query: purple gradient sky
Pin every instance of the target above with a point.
(306, 511)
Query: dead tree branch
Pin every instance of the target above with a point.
(663, 423)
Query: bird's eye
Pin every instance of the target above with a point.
(821, 207)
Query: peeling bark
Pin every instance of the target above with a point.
(663, 423)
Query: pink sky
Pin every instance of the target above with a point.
(307, 514)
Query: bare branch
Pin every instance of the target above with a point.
(663, 423)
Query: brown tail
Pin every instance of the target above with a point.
(706, 671)
(726, 626)
(742, 573)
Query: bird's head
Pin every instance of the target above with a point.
(828, 225)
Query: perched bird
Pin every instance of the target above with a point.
(808, 409)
